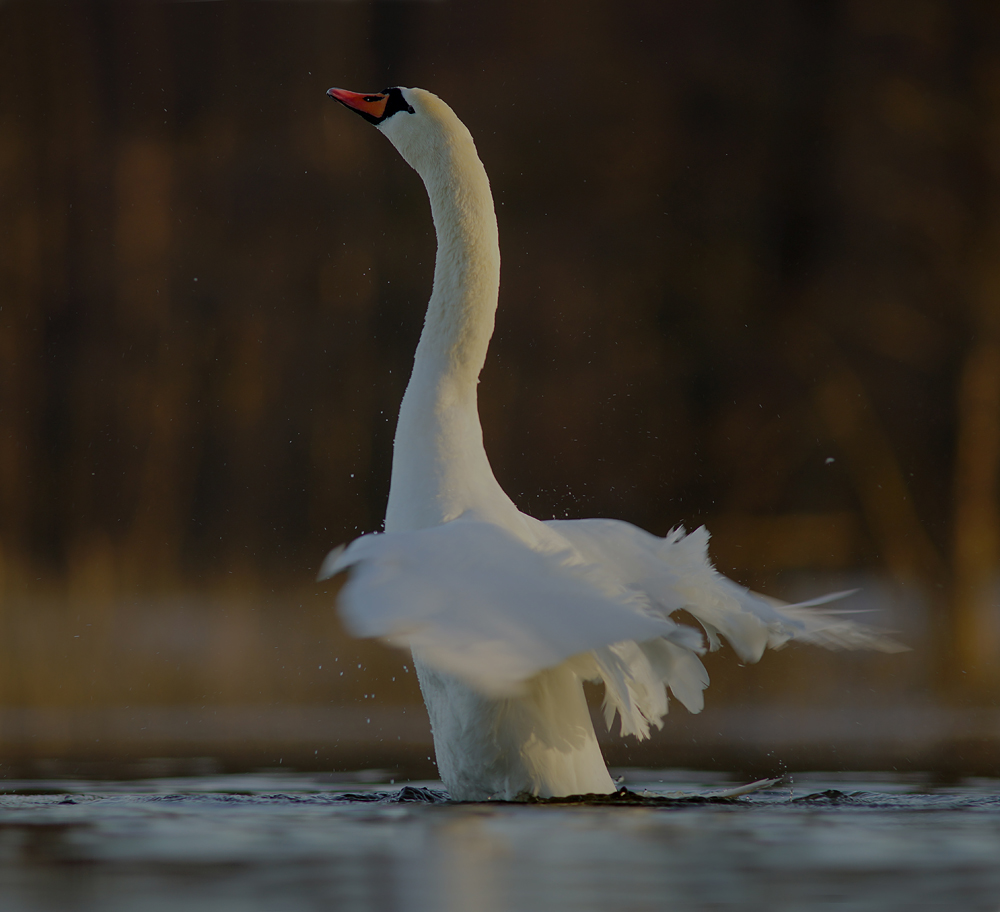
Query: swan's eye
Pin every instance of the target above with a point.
(395, 102)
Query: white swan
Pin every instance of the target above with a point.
(506, 616)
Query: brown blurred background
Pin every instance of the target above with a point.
(750, 280)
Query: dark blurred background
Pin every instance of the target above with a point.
(750, 279)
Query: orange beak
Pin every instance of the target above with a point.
(370, 107)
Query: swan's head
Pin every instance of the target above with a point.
(418, 123)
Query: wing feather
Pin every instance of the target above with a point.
(675, 573)
(475, 601)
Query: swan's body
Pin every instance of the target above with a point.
(506, 615)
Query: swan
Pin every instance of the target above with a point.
(506, 616)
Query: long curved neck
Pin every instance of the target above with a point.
(440, 469)
(459, 321)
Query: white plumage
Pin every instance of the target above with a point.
(506, 616)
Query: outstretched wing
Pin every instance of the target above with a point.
(476, 602)
(675, 573)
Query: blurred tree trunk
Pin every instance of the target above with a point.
(850, 420)
(977, 519)
(20, 280)
(155, 399)
(852, 423)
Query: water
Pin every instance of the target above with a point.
(283, 843)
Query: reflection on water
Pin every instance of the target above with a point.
(280, 843)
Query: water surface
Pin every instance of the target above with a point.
(283, 843)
